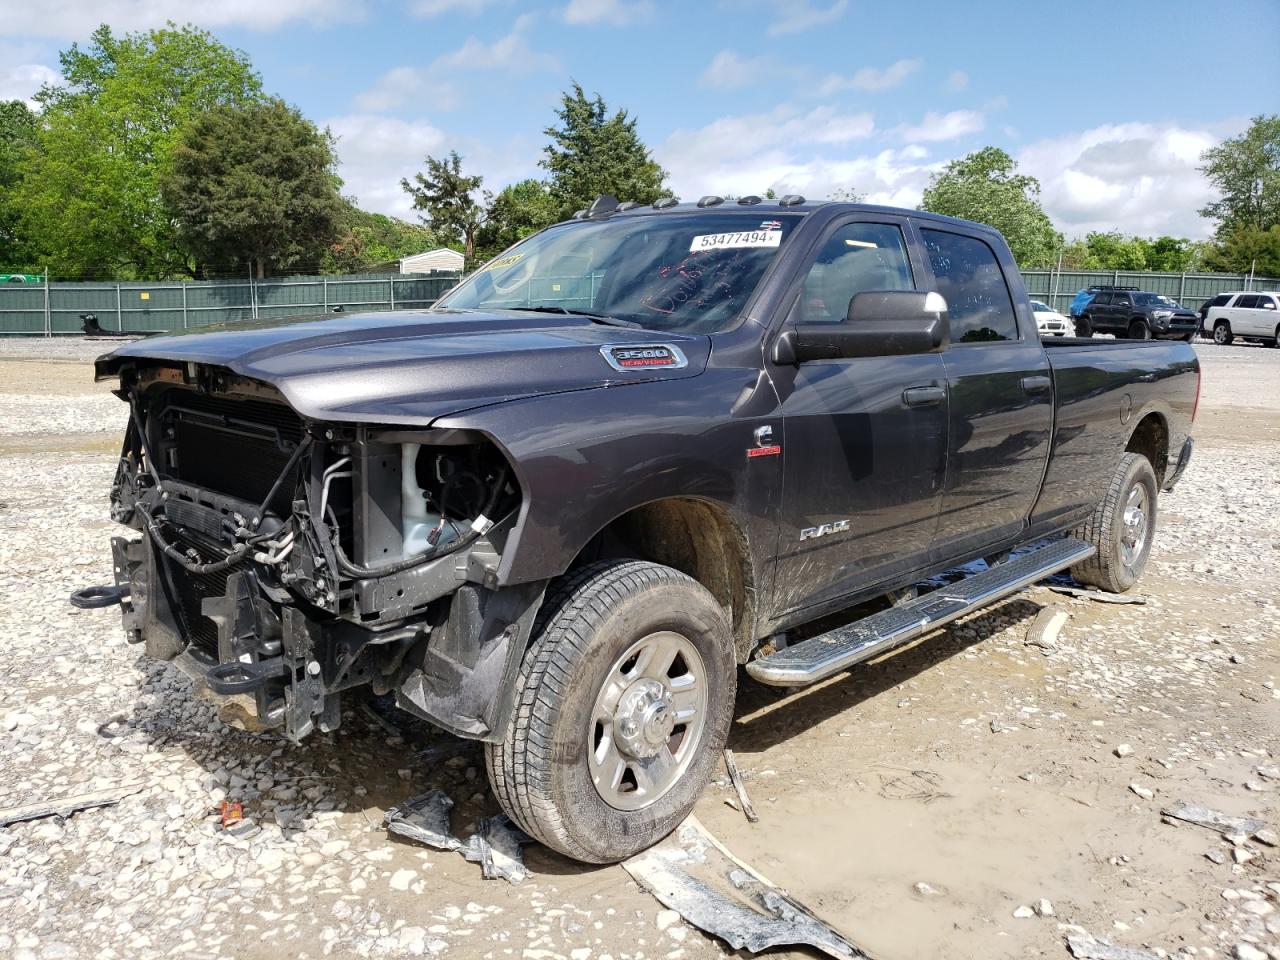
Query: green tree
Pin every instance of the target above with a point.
(252, 186)
(367, 241)
(1114, 251)
(17, 137)
(1245, 248)
(90, 197)
(592, 153)
(518, 211)
(986, 187)
(445, 196)
(1246, 172)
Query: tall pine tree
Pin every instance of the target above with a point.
(592, 153)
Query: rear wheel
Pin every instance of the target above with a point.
(1084, 327)
(1138, 330)
(1222, 333)
(623, 705)
(1121, 528)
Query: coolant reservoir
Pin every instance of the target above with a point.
(416, 519)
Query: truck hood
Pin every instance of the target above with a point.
(411, 367)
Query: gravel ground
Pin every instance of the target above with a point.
(971, 796)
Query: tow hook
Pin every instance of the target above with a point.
(236, 676)
(91, 598)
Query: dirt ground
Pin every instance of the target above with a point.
(915, 803)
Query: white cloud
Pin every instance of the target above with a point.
(1133, 177)
(796, 16)
(942, 126)
(617, 13)
(780, 148)
(435, 8)
(376, 152)
(76, 18)
(430, 86)
(728, 71)
(870, 79)
(20, 82)
(957, 81)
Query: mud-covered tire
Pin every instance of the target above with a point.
(1115, 567)
(540, 771)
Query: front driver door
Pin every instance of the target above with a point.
(865, 438)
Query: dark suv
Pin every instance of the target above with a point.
(1137, 315)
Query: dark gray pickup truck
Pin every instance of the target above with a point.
(639, 449)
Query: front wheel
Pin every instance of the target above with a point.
(1138, 330)
(1122, 527)
(623, 706)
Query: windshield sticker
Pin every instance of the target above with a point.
(731, 241)
(771, 225)
(503, 262)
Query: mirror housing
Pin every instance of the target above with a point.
(879, 323)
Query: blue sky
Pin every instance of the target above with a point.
(1109, 104)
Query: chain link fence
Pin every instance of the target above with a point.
(54, 308)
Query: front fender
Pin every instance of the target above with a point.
(587, 457)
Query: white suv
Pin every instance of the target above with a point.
(1246, 314)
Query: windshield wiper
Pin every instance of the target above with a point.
(591, 315)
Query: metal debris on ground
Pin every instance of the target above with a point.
(495, 845)
(691, 873)
(1213, 819)
(1046, 627)
(917, 785)
(1086, 948)
(735, 778)
(67, 805)
(1096, 595)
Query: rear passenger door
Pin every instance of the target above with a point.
(1000, 395)
(1099, 311)
(1245, 319)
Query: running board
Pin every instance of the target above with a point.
(819, 657)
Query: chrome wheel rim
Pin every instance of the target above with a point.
(1133, 536)
(1220, 334)
(648, 721)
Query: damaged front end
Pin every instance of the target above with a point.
(281, 561)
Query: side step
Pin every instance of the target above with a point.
(819, 657)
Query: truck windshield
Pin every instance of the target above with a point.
(686, 273)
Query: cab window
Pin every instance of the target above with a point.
(967, 273)
(856, 257)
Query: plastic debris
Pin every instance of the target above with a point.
(735, 778)
(67, 805)
(231, 813)
(1046, 627)
(692, 874)
(1086, 948)
(1213, 819)
(495, 845)
(1096, 595)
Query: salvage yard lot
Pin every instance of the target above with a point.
(917, 803)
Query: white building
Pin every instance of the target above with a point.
(439, 259)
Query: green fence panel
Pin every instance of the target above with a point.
(38, 309)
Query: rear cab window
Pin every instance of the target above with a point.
(967, 273)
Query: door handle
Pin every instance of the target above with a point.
(929, 396)
(1035, 384)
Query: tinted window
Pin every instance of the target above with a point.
(1248, 301)
(968, 275)
(1267, 303)
(1220, 300)
(1102, 300)
(855, 258)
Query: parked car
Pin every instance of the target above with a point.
(1085, 296)
(1137, 315)
(1249, 315)
(639, 449)
(1049, 321)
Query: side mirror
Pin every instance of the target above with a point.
(879, 323)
